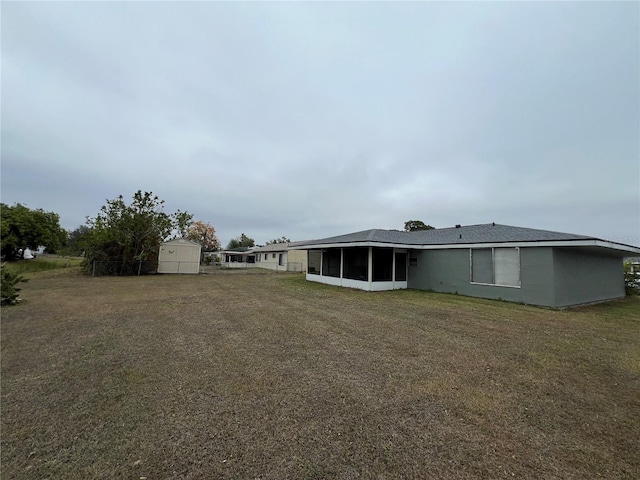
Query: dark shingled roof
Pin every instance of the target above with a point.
(485, 233)
(273, 247)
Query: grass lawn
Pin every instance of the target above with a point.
(42, 263)
(266, 376)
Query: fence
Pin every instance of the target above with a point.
(294, 267)
(117, 268)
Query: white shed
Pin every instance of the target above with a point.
(179, 256)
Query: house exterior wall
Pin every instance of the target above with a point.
(551, 277)
(268, 261)
(449, 271)
(292, 260)
(586, 277)
(297, 260)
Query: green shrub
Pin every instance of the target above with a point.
(8, 286)
(631, 279)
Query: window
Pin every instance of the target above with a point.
(413, 261)
(313, 262)
(507, 266)
(356, 263)
(382, 264)
(496, 266)
(273, 255)
(482, 265)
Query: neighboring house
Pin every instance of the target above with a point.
(282, 257)
(214, 256)
(516, 264)
(297, 258)
(241, 257)
(179, 256)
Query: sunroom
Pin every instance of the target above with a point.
(365, 268)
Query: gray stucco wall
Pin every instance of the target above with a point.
(549, 277)
(586, 276)
(449, 271)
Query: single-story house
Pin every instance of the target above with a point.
(282, 257)
(179, 256)
(241, 257)
(524, 265)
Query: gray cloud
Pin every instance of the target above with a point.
(314, 119)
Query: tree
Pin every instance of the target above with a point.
(129, 236)
(282, 239)
(241, 241)
(21, 227)
(631, 279)
(205, 235)
(77, 240)
(182, 224)
(415, 225)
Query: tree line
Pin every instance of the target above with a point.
(127, 236)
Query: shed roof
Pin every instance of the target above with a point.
(181, 241)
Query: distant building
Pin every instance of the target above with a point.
(282, 257)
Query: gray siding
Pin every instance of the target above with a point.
(586, 276)
(536, 276)
(439, 270)
(449, 271)
(552, 277)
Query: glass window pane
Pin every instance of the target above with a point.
(507, 266)
(481, 265)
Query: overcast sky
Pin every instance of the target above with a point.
(316, 119)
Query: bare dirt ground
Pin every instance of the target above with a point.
(265, 376)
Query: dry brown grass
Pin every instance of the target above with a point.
(266, 376)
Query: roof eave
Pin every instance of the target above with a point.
(617, 247)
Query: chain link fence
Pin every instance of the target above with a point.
(294, 267)
(119, 268)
